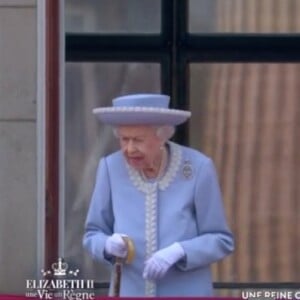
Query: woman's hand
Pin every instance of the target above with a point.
(160, 262)
(116, 246)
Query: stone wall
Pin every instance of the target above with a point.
(18, 163)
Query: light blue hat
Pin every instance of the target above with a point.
(141, 109)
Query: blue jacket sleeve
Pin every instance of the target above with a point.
(100, 218)
(214, 240)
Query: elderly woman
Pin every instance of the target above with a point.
(163, 196)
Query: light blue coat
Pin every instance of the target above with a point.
(184, 206)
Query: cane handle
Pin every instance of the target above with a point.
(130, 249)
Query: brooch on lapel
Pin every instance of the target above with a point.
(187, 170)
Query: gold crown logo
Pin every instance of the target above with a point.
(59, 268)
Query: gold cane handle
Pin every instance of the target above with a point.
(130, 249)
(119, 263)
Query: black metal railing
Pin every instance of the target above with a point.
(235, 285)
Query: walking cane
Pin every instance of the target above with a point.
(118, 265)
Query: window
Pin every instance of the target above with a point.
(235, 64)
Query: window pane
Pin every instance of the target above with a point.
(118, 16)
(244, 16)
(246, 117)
(90, 85)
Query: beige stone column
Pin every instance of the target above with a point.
(18, 149)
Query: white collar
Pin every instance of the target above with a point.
(164, 181)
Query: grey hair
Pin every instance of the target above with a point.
(164, 132)
(115, 131)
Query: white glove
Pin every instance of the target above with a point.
(160, 262)
(115, 246)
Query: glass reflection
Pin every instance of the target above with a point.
(244, 16)
(118, 16)
(90, 85)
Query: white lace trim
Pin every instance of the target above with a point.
(151, 190)
(165, 180)
(139, 109)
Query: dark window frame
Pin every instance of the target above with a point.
(175, 49)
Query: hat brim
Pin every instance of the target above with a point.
(141, 116)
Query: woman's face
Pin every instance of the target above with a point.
(140, 145)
